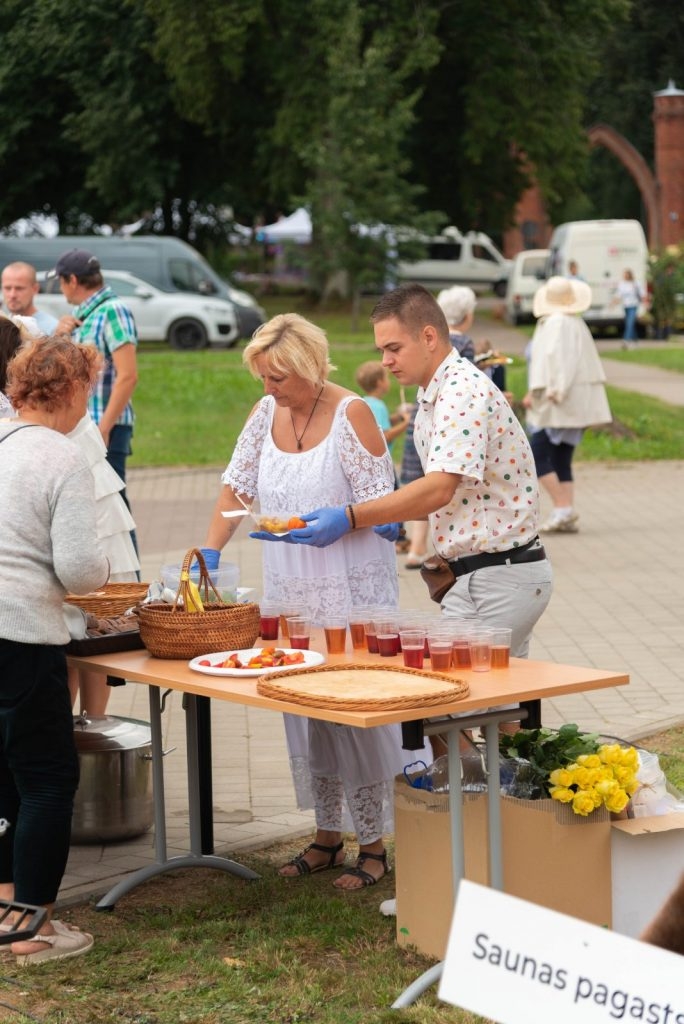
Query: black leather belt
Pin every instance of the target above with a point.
(469, 563)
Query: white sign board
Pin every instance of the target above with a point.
(518, 963)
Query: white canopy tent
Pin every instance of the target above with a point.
(295, 228)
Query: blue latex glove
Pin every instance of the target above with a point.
(323, 527)
(211, 557)
(388, 531)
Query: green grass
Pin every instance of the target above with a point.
(191, 406)
(203, 947)
(207, 948)
(665, 358)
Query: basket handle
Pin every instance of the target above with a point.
(205, 579)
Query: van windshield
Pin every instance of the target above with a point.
(188, 277)
(444, 251)
(533, 266)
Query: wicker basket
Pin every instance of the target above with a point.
(112, 599)
(168, 631)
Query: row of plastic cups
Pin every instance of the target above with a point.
(469, 647)
(448, 643)
(389, 631)
(296, 626)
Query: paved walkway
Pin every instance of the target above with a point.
(618, 604)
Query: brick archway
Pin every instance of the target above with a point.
(633, 161)
(662, 192)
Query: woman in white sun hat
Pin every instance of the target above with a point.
(566, 392)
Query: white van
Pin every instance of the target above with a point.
(527, 274)
(161, 260)
(457, 258)
(602, 250)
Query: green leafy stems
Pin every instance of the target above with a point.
(547, 749)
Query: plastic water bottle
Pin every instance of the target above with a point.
(438, 774)
(434, 778)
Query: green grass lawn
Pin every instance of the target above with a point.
(191, 406)
(203, 947)
(670, 357)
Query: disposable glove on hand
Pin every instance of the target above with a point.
(211, 558)
(388, 531)
(323, 527)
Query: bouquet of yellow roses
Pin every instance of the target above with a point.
(606, 778)
(572, 767)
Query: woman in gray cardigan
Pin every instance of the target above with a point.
(48, 546)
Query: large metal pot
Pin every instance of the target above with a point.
(114, 797)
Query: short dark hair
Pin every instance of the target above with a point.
(89, 281)
(414, 306)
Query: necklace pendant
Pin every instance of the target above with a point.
(299, 445)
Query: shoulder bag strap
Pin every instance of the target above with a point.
(17, 429)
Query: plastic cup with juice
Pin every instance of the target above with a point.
(335, 629)
(299, 632)
(412, 647)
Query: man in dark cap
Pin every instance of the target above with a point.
(101, 319)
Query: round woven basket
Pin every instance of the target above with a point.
(170, 632)
(363, 688)
(112, 599)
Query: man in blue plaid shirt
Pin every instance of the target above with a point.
(101, 319)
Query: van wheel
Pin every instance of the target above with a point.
(500, 289)
(187, 334)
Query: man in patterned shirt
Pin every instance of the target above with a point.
(101, 319)
(479, 491)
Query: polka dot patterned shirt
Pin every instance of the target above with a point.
(465, 426)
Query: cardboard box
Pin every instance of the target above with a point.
(551, 856)
(647, 863)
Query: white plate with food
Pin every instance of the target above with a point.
(225, 663)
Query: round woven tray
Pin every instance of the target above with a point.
(363, 688)
(112, 599)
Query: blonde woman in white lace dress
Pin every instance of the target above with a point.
(309, 443)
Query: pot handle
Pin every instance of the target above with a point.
(148, 757)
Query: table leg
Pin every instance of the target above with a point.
(489, 721)
(200, 833)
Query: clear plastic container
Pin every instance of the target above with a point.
(225, 579)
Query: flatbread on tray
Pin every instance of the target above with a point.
(363, 687)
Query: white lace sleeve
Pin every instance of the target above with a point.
(243, 468)
(370, 476)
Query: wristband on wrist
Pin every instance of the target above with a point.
(352, 517)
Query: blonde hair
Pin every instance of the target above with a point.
(369, 375)
(293, 346)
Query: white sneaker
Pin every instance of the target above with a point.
(561, 524)
(389, 908)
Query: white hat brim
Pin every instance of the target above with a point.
(541, 305)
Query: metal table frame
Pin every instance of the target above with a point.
(453, 727)
(494, 688)
(198, 743)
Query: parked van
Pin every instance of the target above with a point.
(527, 274)
(602, 250)
(166, 262)
(455, 258)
